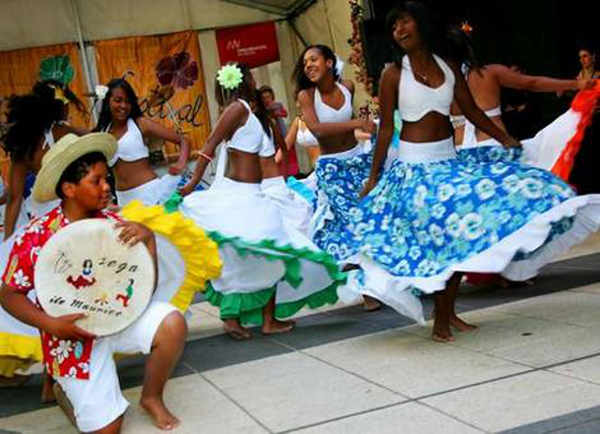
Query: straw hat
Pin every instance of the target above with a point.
(64, 152)
(109, 282)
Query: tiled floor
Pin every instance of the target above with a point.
(532, 367)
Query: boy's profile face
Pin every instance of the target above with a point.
(92, 192)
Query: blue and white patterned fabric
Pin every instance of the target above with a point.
(489, 154)
(432, 214)
(340, 179)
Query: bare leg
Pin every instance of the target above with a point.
(441, 322)
(452, 289)
(112, 428)
(270, 324)
(235, 331)
(166, 350)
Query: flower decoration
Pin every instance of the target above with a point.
(357, 57)
(101, 91)
(466, 28)
(230, 77)
(179, 70)
(57, 68)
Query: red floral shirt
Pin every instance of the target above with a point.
(63, 358)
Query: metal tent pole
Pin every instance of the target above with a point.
(86, 66)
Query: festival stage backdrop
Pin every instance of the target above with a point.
(167, 72)
(20, 69)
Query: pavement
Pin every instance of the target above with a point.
(533, 366)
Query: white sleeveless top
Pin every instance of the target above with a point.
(327, 114)
(131, 145)
(304, 137)
(250, 136)
(415, 99)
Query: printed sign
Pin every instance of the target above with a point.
(254, 45)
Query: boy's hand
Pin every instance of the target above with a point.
(63, 327)
(132, 233)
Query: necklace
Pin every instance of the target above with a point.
(422, 77)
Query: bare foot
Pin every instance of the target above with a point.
(460, 325)
(441, 334)
(236, 332)
(275, 326)
(371, 304)
(161, 415)
(506, 283)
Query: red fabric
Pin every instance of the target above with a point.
(585, 102)
(254, 45)
(292, 167)
(63, 358)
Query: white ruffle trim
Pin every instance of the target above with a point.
(396, 291)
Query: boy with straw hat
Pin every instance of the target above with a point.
(75, 170)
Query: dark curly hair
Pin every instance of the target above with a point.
(105, 117)
(31, 115)
(300, 78)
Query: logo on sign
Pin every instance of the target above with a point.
(234, 44)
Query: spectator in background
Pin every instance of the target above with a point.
(587, 58)
(278, 113)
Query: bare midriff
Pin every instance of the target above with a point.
(132, 174)
(430, 128)
(243, 167)
(338, 144)
(269, 168)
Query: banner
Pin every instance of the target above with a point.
(167, 78)
(20, 69)
(255, 44)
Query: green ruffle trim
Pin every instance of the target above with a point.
(248, 306)
(289, 254)
(172, 203)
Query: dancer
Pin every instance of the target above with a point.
(89, 378)
(37, 121)
(264, 273)
(431, 216)
(485, 83)
(343, 167)
(122, 117)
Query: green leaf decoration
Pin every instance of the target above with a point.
(57, 68)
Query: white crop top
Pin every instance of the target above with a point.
(250, 136)
(268, 147)
(415, 99)
(131, 145)
(304, 137)
(327, 113)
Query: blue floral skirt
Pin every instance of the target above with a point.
(340, 179)
(432, 214)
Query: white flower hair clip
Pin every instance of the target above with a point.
(101, 91)
(230, 77)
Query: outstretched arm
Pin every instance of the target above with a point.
(464, 99)
(156, 130)
(388, 97)
(535, 83)
(229, 121)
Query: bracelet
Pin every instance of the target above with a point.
(205, 156)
